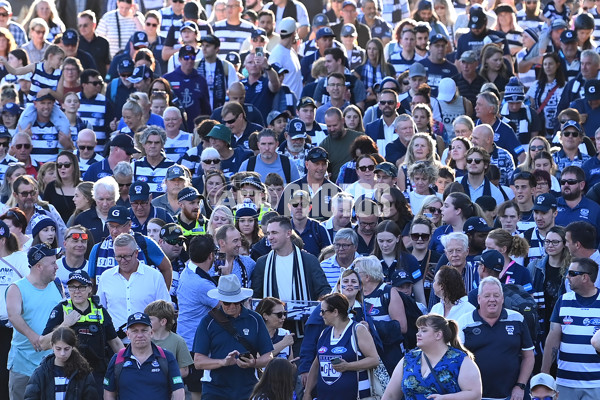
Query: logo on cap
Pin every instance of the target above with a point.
(540, 199)
(482, 221)
(116, 213)
(138, 190)
(1, 231)
(298, 126)
(475, 18)
(592, 89)
(137, 315)
(163, 231)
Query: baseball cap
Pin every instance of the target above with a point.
(568, 36)
(188, 194)
(446, 89)
(187, 50)
(300, 195)
(378, 87)
(558, 23)
(436, 37)
(325, 32)
(349, 3)
(417, 69)
(80, 276)
(320, 20)
(233, 58)
(189, 25)
(476, 224)
(287, 26)
(70, 37)
(47, 96)
(400, 277)
(138, 318)
(39, 251)
(139, 191)
(174, 172)
(12, 108)
(477, 18)
(4, 133)
(387, 168)
(220, 132)
(543, 379)
(491, 259)
(140, 73)
(171, 231)
(6, 5)
(570, 123)
(296, 129)
(118, 214)
(592, 89)
(140, 39)
(125, 142)
(317, 154)
(349, 30)
(273, 115)
(469, 56)
(504, 8)
(487, 203)
(4, 229)
(492, 39)
(258, 32)
(545, 202)
(306, 101)
(211, 39)
(533, 33)
(191, 10)
(125, 66)
(246, 209)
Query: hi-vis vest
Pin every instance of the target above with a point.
(95, 316)
(198, 229)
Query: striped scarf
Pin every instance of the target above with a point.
(299, 283)
(370, 76)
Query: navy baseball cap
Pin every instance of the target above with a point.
(126, 66)
(211, 39)
(188, 194)
(320, 20)
(39, 251)
(296, 129)
(258, 32)
(138, 318)
(70, 37)
(476, 224)
(545, 202)
(4, 229)
(187, 51)
(189, 25)
(12, 108)
(140, 73)
(436, 37)
(139, 191)
(568, 36)
(491, 259)
(140, 39)
(125, 142)
(348, 30)
(80, 276)
(571, 123)
(175, 171)
(4, 133)
(325, 32)
(387, 168)
(171, 231)
(400, 277)
(119, 215)
(592, 89)
(233, 58)
(306, 101)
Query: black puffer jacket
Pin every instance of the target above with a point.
(41, 384)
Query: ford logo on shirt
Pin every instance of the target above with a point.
(158, 179)
(339, 350)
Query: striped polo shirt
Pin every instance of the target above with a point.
(153, 176)
(84, 165)
(42, 80)
(169, 19)
(117, 30)
(232, 36)
(94, 111)
(44, 140)
(176, 147)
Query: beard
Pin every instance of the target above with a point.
(572, 195)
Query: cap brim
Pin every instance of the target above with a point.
(134, 80)
(138, 322)
(243, 295)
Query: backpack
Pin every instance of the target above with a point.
(413, 312)
(162, 362)
(285, 164)
(141, 242)
(517, 299)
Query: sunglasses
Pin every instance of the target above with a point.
(122, 185)
(387, 102)
(125, 75)
(573, 274)
(4, 144)
(3, 15)
(342, 246)
(434, 210)
(230, 121)
(77, 236)
(365, 168)
(20, 146)
(174, 242)
(545, 397)
(63, 165)
(211, 161)
(77, 288)
(474, 160)
(189, 58)
(420, 236)
(96, 83)
(151, 24)
(227, 303)
(86, 148)
(570, 133)
(31, 193)
(537, 148)
(569, 182)
(280, 314)
(303, 204)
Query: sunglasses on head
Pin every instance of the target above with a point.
(570, 133)
(474, 160)
(77, 236)
(25, 146)
(365, 168)
(63, 165)
(569, 181)
(420, 236)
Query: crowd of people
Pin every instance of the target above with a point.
(327, 200)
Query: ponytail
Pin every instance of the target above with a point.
(519, 247)
(454, 342)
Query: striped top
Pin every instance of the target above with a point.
(117, 29)
(232, 36)
(169, 18)
(84, 165)
(94, 111)
(61, 383)
(4, 164)
(153, 176)
(191, 160)
(176, 147)
(400, 63)
(42, 80)
(44, 139)
(395, 10)
(578, 362)
(596, 15)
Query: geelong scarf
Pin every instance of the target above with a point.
(219, 82)
(299, 284)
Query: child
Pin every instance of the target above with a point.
(162, 316)
(46, 79)
(43, 230)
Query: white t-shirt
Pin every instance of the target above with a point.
(18, 260)
(283, 271)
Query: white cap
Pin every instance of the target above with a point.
(446, 90)
(543, 380)
(287, 26)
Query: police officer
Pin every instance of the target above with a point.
(189, 218)
(85, 315)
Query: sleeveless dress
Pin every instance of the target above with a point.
(415, 387)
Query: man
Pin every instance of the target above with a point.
(468, 81)
(487, 108)
(97, 46)
(102, 257)
(573, 206)
(46, 136)
(173, 40)
(268, 160)
(336, 88)
(231, 158)
(313, 235)
(189, 86)
(69, 42)
(524, 184)
(475, 183)
(544, 213)
(5, 159)
(306, 112)
(323, 41)
(105, 193)
(132, 284)
(338, 140)
(175, 180)
(287, 58)
(574, 89)
(266, 23)
(86, 154)
(189, 34)
(478, 31)
(219, 74)
(580, 240)
(229, 241)
(120, 149)
(500, 340)
(260, 89)
(543, 385)
(223, 357)
(367, 214)
(349, 14)
(190, 218)
(436, 64)
(118, 91)
(570, 155)
(345, 244)
(153, 167)
(141, 78)
(118, 25)
(92, 107)
(237, 93)
(322, 190)
(569, 54)
(142, 210)
(29, 302)
(379, 27)
(570, 323)
(476, 229)
(382, 130)
(522, 118)
(178, 141)
(6, 21)
(139, 374)
(589, 107)
(234, 30)
(234, 117)
(402, 60)
(171, 15)
(295, 146)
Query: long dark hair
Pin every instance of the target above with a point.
(394, 229)
(543, 78)
(451, 282)
(404, 215)
(75, 175)
(76, 362)
(448, 327)
(277, 382)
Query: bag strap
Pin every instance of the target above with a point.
(437, 378)
(226, 324)
(548, 97)
(11, 267)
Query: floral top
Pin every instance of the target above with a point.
(415, 387)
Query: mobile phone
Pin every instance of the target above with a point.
(260, 52)
(219, 262)
(336, 360)
(246, 355)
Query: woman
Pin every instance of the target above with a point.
(46, 175)
(214, 186)
(432, 210)
(458, 155)
(72, 70)
(60, 193)
(536, 145)
(17, 222)
(246, 221)
(220, 216)
(277, 382)
(161, 84)
(449, 286)
(145, 57)
(446, 13)
(510, 245)
(273, 312)
(133, 117)
(421, 231)
(43, 230)
(46, 10)
(361, 145)
(462, 126)
(543, 182)
(7, 44)
(353, 118)
(374, 69)
(218, 12)
(83, 200)
(17, 58)
(423, 117)
(365, 185)
(548, 273)
(340, 379)
(157, 42)
(394, 206)
(389, 317)
(64, 373)
(509, 216)
(439, 353)
(420, 148)
(493, 69)
(545, 162)
(423, 176)
(456, 209)
(71, 106)
(426, 13)
(390, 250)
(154, 227)
(545, 93)
(507, 24)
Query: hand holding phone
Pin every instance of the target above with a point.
(337, 360)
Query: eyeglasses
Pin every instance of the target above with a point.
(548, 242)
(4, 144)
(149, 24)
(63, 165)
(336, 85)
(434, 210)
(215, 161)
(25, 146)
(31, 193)
(569, 133)
(405, 83)
(96, 83)
(125, 257)
(280, 314)
(76, 288)
(365, 168)
(86, 148)
(77, 236)
(38, 31)
(122, 185)
(387, 102)
(174, 242)
(542, 184)
(474, 160)
(537, 148)
(420, 236)
(230, 121)
(342, 246)
(573, 274)
(189, 58)
(569, 182)
(322, 312)
(139, 203)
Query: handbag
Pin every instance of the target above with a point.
(378, 376)
(437, 379)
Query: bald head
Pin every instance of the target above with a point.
(483, 136)
(86, 142)
(86, 135)
(237, 92)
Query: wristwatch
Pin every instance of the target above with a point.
(520, 385)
